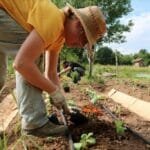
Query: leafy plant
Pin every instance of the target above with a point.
(75, 76)
(71, 103)
(94, 96)
(120, 129)
(85, 141)
(66, 87)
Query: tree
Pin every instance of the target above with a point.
(113, 11)
(105, 56)
(126, 60)
(145, 55)
(72, 54)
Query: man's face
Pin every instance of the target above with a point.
(74, 33)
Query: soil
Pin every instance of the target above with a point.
(138, 90)
(102, 125)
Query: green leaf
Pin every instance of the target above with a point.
(94, 100)
(77, 146)
(91, 141)
(83, 136)
(120, 129)
(90, 134)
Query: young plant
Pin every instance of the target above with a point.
(85, 141)
(94, 96)
(71, 103)
(66, 87)
(75, 77)
(120, 129)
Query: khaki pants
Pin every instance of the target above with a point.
(29, 99)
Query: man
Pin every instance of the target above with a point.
(48, 28)
(72, 68)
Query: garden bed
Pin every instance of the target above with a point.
(102, 126)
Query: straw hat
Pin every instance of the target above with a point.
(93, 22)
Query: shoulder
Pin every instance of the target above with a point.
(47, 20)
(48, 8)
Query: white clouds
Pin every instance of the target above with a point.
(139, 37)
(141, 27)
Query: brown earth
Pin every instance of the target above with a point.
(102, 125)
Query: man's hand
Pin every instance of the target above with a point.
(59, 101)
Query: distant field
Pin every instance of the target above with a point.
(125, 72)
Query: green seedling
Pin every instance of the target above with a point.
(75, 77)
(94, 96)
(66, 87)
(71, 103)
(85, 141)
(120, 129)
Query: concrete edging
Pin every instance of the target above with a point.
(140, 107)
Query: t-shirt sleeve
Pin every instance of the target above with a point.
(58, 44)
(46, 19)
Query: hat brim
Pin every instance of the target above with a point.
(87, 33)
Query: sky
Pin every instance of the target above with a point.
(139, 37)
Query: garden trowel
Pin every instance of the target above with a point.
(77, 117)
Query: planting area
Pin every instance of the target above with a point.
(101, 131)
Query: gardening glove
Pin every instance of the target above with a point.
(59, 101)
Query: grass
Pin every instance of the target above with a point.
(124, 72)
(3, 142)
(131, 72)
(10, 69)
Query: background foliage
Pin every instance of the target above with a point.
(114, 11)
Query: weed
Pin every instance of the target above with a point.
(3, 142)
(22, 140)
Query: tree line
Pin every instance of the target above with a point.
(106, 56)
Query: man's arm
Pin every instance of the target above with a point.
(51, 63)
(64, 70)
(24, 62)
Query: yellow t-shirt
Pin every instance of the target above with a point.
(42, 15)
